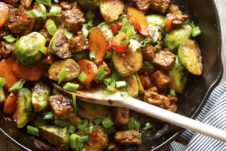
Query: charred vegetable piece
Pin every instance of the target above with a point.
(71, 67)
(178, 77)
(89, 71)
(40, 96)
(28, 49)
(4, 11)
(92, 111)
(130, 137)
(138, 20)
(97, 44)
(55, 135)
(111, 9)
(128, 63)
(176, 37)
(24, 107)
(89, 4)
(59, 45)
(98, 140)
(132, 86)
(190, 56)
(61, 105)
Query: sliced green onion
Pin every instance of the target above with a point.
(100, 73)
(148, 126)
(62, 123)
(149, 65)
(86, 29)
(71, 129)
(37, 12)
(92, 55)
(120, 84)
(71, 86)
(9, 39)
(48, 116)
(82, 77)
(97, 121)
(51, 27)
(134, 45)
(74, 102)
(18, 85)
(45, 2)
(2, 82)
(76, 142)
(108, 56)
(133, 124)
(54, 11)
(172, 92)
(196, 31)
(83, 125)
(68, 34)
(125, 94)
(61, 76)
(107, 123)
(32, 130)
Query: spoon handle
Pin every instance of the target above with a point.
(174, 118)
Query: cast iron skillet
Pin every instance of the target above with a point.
(204, 13)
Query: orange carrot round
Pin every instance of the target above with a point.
(10, 104)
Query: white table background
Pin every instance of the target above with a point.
(221, 5)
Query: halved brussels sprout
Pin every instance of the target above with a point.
(176, 37)
(132, 86)
(128, 63)
(24, 107)
(89, 4)
(178, 77)
(71, 67)
(28, 49)
(111, 9)
(190, 56)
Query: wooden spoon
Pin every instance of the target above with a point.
(116, 99)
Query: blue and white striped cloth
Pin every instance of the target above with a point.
(213, 113)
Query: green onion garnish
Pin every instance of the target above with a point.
(61, 76)
(149, 65)
(133, 124)
(74, 102)
(82, 77)
(196, 31)
(38, 12)
(32, 130)
(51, 27)
(100, 73)
(54, 11)
(71, 86)
(148, 126)
(71, 129)
(108, 56)
(83, 125)
(120, 84)
(76, 142)
(18, 85)
(62, 123)
(97, 121)
(107, 123)
(2, 82)
(45, 2)
(9, 39)
(68, 34)
(48, 116)
(125, 95)
(92, 55)
(172, 92)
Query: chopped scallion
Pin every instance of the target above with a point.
(120, 84)
(62, 123)
(108, 56)
(100, 73)
(92, 55)
(107, 123)
(74, 102)
(125, 94)
(9, 39)
(71, 129)
(196, 31)
(54, 11)
(172, 92)
(133, 124)
(97, 121)
(82, 77)
(39, 12)
(148, 65)
(18, 85)
(83, 125)
(148, 126)
(51, 27)
(32, 130)
(71, 86)
(86, 29)
(45, 2)
(76, 142)
(68, 34)
(48, 116)
(61, 76)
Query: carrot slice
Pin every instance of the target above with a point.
(29, 73)
(138, 17)
(6, 72)
(168, 24)
(10, 104)
(98, 45)
(90, 69)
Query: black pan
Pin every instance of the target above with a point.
(204, 13)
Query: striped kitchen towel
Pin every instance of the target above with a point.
(213, 113)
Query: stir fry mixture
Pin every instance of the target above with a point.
(142, 48)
